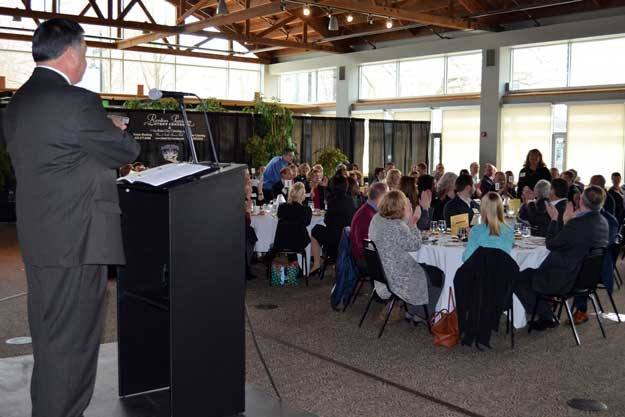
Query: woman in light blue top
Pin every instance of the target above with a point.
(493, 232)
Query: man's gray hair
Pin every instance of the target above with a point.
(377, 189)
(542, 188)
(593, 198)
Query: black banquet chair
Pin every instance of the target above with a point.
(376, 273)
(280, 247)
(588, 278)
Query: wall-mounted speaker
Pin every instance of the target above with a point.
(490, 57)
(341, 73)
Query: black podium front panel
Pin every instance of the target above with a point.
(181, 294)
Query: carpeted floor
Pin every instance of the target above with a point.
(323, 363)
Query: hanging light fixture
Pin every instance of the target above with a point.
(222, 9)
(350, 18)
(333, 24)
(389, 23)
(370, 19)
(283, 5)
(306, 10)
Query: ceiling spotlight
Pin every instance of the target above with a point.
(306, 10)
(333, 24)
(222, 9)
(389, 23)
(370, 19)
(283, 6)
(350, 18)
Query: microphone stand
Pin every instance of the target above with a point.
(210, 133)
(187, 130)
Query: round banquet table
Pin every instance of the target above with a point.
(265, 228)
(449, 258)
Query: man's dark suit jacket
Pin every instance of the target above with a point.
(65, 152)
(487, 185)
(568, 245)
(456, 206)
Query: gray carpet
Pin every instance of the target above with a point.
(324, 364)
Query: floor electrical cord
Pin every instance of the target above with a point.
(260, 355)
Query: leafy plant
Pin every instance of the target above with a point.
(133, 104)
(162, 104)
(330, 158)
(273, 132)
(210, 105)
(5, 166)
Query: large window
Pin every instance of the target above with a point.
(595, 139)
(308, 87)
(576, 63)
(460, 138)
(430, 76)
(524, 128)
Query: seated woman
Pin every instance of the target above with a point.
(317, 188)
(339, 214)
(493, 232)
(393, 177)
(293, 219)
(394, 231)
(302, 175)
(408, 185)
(537, 215)
(446, 192)
(354, 190)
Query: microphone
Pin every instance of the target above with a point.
(156, 94)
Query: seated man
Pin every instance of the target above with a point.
(609, 204)
(360, 223)
(462, 202)
(558, 197)
(568, 245)
(488, 180)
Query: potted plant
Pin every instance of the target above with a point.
(330, 158)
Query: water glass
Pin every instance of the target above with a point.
(434, 227)
(517, 228)
(526, 231)
(311, 204)
(442, 226)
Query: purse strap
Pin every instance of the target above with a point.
(451, 300)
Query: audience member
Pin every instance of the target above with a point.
(389, 166)
(617, 194)
(355, 193)
(558, 198)
(503, 187)
(439, 172)
(408, 186)
(379, 175)
(574, 193)
(280, 187)
(302, 176)
(338, 215)
(393, 177)
(360, 223)
(296, 217)
(462, 202)
(474, 171)
(555, 172)
(317, 189)
(609, 203)
(534, 169)
(446, 187)
(492, 232)
(422, 168)
(537, 215)
(487, 184)
(394, 231)
(568, 245)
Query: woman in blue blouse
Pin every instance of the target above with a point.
(493, 232)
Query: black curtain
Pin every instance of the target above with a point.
(358, 140)
(312, 134)
(402, 142)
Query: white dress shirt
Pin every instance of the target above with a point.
(553, 203)
(62, 74)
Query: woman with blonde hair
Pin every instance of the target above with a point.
(395, 233)
(393, 177)
(493, 232)
(293, 217)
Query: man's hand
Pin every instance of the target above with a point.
(425, 200)
(569, 213)
(552, 212)
(118, 121)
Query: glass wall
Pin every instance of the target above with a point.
(524, 128)
(317, 86)
(429, 76)
(460, 138)
(577, 63)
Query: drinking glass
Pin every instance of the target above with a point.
(526, 231)
(517, 228)
(442, 226)
(434, 227)
(311, 204)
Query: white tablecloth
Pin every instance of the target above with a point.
(265, 228)
(449, 258)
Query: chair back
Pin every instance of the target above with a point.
(589, 275)
(289, 237)
(374, 263)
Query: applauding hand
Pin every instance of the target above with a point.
(425, 200)
(552, 212)
(569, 213)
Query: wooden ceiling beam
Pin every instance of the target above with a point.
(279, 24)
(402, 14)
(164, 51)
(202, 4)
(473, 6)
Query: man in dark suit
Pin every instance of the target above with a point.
(609, 205)
(568, 245)
(487, 183)
(462, 202)
(558, 197)
(617, 194)
(65, 152)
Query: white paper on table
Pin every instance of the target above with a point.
(164, 173)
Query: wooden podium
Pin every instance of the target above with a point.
(181, 317)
